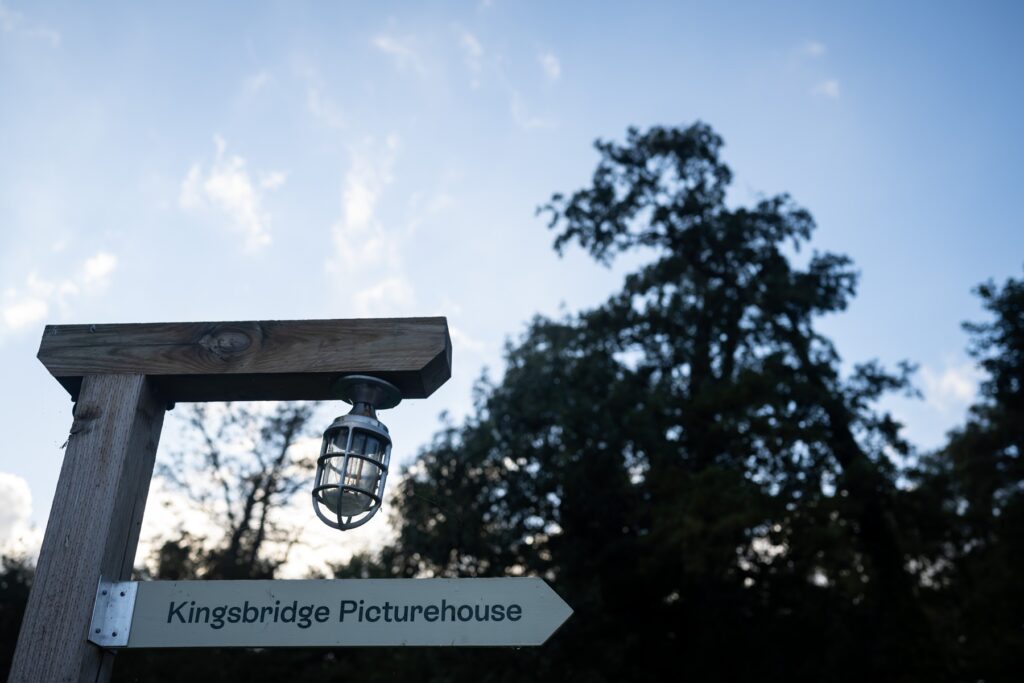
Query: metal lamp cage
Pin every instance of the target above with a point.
(352, 469)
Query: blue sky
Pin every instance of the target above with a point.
(186, 161)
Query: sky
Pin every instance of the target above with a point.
(289, 160)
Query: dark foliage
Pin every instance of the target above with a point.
(15, 582)
(970, 500)
(685, 463)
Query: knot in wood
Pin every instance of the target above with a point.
(84, 414)
(226, 343)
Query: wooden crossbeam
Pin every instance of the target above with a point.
(261, 360)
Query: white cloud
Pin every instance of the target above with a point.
(273, 180)
(367, 260)
(471, 45)
(191, 195)
(256, 82)
(318, 103)
(423, 206)
(364, 182)
(323, 109)
(473, 53)
(29, 304)
(98, 268)
(813, 48)
(12, 21)
(523, 117)
(21, 313)
(227, 186)
(401, 53)
(17, 534)
(551, 66)
(387, 297)
(367, 264)
(828, 88)
(464, 342)
(952, 389)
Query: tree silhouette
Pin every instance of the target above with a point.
(970, 505)
(15, 582)
(239, 468)
(685, 462)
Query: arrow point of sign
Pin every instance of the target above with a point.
(559, 610)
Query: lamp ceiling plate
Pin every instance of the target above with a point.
(366, 389)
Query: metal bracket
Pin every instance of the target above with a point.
(112, 613)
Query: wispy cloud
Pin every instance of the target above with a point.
(367, 256)
(952, 389)
(551, 66)
(827, 88)
(30, 303)
(323, 109)
(228, 187)
(464, 342)
(401, 53)
(273, 180)
(473, 54)
(256, 82)
(389, 295)
(24, 309)
(813, 49)
(523, 117)
(12, 21)
(423, 206)
(97, 269)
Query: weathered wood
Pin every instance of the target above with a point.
(93, 528)
(269, 360)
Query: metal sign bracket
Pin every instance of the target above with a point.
(112, 613)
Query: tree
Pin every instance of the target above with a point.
(16, 574)
(685, 462)
(240, 468)
(971, 499)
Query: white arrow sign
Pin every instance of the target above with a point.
(327, 613)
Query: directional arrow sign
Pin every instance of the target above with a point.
(327, 613)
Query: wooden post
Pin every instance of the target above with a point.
(123, 376)
(93, 528)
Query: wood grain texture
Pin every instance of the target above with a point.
(262, 360)
(93, 528)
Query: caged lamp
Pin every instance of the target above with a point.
(353, 464)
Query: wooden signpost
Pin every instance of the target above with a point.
(123, 378)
